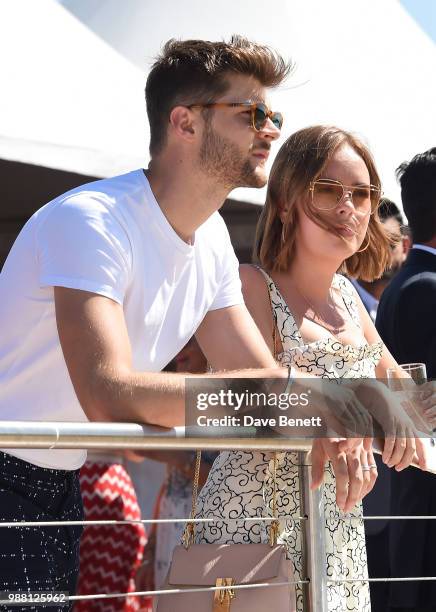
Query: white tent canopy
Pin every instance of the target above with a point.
(75, 103)
(69, 100)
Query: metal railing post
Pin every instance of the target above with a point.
(304, 529)
(314, 539)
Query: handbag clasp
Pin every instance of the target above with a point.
(223, 597)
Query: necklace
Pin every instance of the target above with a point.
(317, 318)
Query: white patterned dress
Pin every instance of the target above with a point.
(240, 484)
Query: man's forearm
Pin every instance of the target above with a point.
(157, 398)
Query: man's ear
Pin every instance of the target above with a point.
(183, 122)
(406, 243)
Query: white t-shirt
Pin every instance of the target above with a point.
(109, 237)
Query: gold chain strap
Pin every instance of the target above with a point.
(274, 527)
(274, 323)
(189, 531)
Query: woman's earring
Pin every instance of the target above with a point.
(364, 248)
(283, 234)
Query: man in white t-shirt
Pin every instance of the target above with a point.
(106, 283)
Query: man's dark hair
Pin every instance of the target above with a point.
(388, 209)
(195, 71)
(418, 194)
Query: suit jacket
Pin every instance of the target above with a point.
(406, 321)
(406, 316)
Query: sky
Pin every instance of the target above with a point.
(424, 13)
(394, 124)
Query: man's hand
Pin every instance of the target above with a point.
(427, 393)
(354, 471)
(402, 444)
(341, 411)
(419, 402)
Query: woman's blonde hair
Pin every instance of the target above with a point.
(301, 160)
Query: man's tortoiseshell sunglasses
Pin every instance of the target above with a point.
(260, 113)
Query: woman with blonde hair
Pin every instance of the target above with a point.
(320, 220)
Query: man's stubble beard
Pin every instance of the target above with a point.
(222, 161)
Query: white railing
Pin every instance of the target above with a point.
(50, 435)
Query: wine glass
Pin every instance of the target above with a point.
(416, 371)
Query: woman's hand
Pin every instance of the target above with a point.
(355, 471)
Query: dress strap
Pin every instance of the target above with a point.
(289, 333)
(348, 295)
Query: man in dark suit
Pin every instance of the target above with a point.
(406, 321)
(377, 502)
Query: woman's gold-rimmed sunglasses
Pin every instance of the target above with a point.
(326, 194)
(260, 113)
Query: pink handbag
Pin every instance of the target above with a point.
(224, 566)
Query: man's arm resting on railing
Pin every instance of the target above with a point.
(97, 351)
(96, 346)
